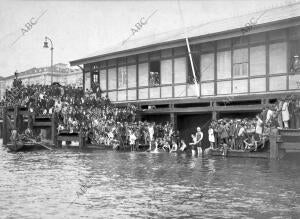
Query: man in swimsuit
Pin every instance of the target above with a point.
(199, 137)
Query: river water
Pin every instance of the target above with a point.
(106, 184)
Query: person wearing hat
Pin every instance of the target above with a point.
(295, 64)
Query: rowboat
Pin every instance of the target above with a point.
(18, 146)
(29, 145)
(238, 153)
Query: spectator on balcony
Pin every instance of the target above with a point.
(285, 113)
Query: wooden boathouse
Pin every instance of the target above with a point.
(242, 64)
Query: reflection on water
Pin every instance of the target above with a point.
(45, 184)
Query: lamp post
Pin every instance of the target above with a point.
(46, 46)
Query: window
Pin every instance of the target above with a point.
(207, 67)
(122, 78)
(196, 62)
(131, 71)
(278, 58)
(166, 71)
(143, 74)
(95, 73)
(294, 60)
(257, 60)
(224, 65)
(103, 79)
(112, 77)
(87, 82)
(154, 73)
(240, 63)
(180, 70)
(96, 78)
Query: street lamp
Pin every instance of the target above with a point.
(46, 46)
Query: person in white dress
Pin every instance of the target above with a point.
(211, 137)
(285, 114)
(151, 133)
(132, 139)
(259, 123)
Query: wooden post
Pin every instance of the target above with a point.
(81, 140)
(214, 115)
(273, 146)
(15, 117)
(58, 143)
(5, 131)
(173, 120)
(53, 129)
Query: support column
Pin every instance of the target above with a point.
(82, 143)
(5, 128)
(214, 112)
(173, 119)
(53, 129)
(274, 145)
(16, 117)
(214, 115)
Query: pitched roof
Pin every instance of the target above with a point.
(261, 17)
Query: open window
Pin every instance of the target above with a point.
(240, 63)
(96, 78)
(196, 63)
(154, 73)
(294, 57)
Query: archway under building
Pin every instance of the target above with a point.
(188, 123)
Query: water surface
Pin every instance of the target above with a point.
(46, 184)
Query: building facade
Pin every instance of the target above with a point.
(241, 65)
(61, 74)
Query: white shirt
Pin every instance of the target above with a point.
(269, 115)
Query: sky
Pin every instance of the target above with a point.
(81, 27)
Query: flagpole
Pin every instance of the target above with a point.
(197, 88)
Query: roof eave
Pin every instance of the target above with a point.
(197, 39)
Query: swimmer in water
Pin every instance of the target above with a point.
(193, 144)
(156, 147)
(166, 146)
(183, 145)
(174, 147)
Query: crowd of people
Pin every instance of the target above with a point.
(106, 123)
(75, 110)
(253, 134)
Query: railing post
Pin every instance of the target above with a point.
(274, 150)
